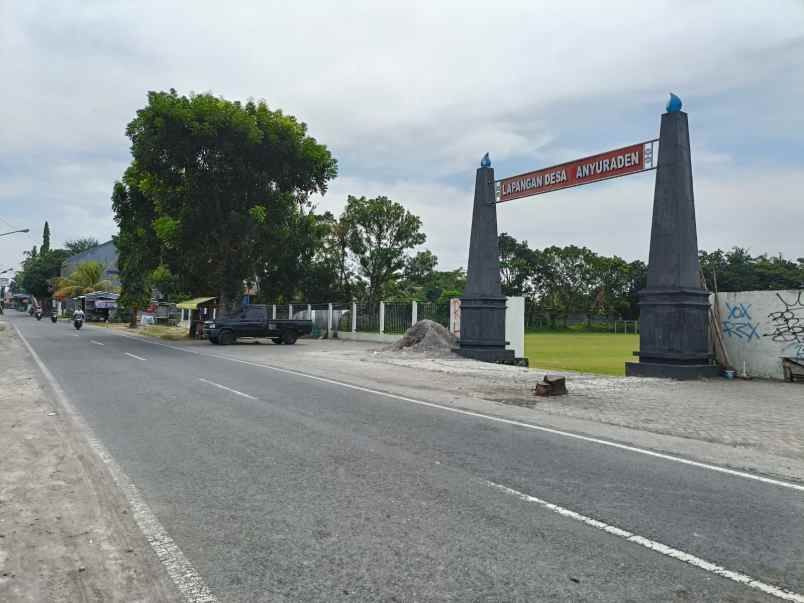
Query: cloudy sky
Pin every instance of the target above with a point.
(408, 96)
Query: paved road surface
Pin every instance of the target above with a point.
(280, 487)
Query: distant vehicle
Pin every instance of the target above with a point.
(78, 320)
(255, 321)
(54, 318)
(38, 313)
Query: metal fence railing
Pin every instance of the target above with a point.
(625, 327)
(437, 312)
(367, 318)
(398, 317)
(392, 318)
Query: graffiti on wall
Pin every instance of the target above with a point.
(739, 324)
(787, 325)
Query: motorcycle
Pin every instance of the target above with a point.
(38, 314)
(78, 323)
(53, 318)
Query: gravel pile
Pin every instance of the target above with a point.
(426, 336)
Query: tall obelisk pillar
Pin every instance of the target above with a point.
(674, 309)
(483, 304)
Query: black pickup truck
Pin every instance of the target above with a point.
(255, 321)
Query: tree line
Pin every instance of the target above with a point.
(218, 198)
(561, 281)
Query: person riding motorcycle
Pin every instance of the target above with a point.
(78, 318)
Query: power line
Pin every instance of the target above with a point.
(7, 222)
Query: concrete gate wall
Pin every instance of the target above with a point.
(761, 327)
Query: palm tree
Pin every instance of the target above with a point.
(86, 278)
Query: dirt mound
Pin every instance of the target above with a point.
(426, 336)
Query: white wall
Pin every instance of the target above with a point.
(760, 327)
(515, 325)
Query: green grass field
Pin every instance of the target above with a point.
(604, 353)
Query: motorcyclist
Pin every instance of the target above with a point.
(78, 315)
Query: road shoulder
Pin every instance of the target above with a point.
(66, 531)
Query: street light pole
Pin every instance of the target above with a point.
(13, 231)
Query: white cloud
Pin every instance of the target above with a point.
(763, 212)
(409, 96)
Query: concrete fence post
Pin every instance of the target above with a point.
(354, 317)
(309, 312)
(290, 311)
(273, 312)
(329, 320)
(382, 318)
(414, 313)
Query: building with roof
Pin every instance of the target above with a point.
(105, 254)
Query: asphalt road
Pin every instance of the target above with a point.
(292, 489)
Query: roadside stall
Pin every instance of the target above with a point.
(21, 301)
(99, 306)
(194, 312)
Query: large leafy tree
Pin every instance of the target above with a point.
(563, 280)
(137, 245)
(219, 176)
(40, 267)
(518, 266)
(39, 270)
(738, 270)
(380, 233)
(289, 266)
(327, 274)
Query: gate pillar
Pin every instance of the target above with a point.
(674, 309)
(483, 304)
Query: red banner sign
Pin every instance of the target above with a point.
(611, 164)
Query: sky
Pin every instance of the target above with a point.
(408, 96)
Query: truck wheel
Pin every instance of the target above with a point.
(226, 338)
(289, 337)
(214, 340)
(277, 340)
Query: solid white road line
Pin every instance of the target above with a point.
(533, 426)
(228, 389)
(95, 342)
(187, 580)
(135, 356)
(657, 547)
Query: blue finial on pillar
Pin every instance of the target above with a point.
(674, 104)
(485, 162)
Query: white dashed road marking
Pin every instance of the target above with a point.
(228, 389)
(95, 342)
(656, 547)
(469, 413)
(135, 356)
